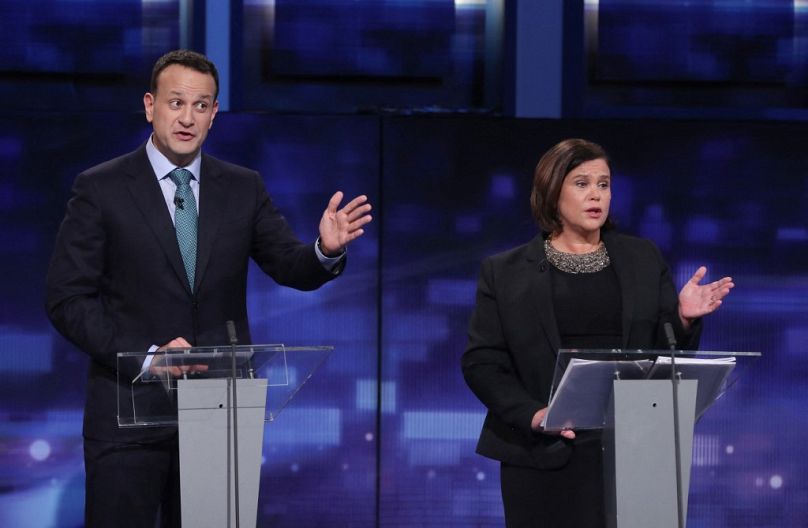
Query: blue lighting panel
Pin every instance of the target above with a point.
(25, 352)
(344, 55)
(399, 314)
(82, 54)
(715, 40)
(321, 444)
(712, 58)
(703, 191)
(328, 37)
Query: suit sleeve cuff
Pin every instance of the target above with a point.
(331, 264)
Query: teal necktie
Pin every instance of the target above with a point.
(185, 219)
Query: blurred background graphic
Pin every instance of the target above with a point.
(438, 110)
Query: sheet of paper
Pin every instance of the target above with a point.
(711, 374)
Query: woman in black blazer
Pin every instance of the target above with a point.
(577, 285)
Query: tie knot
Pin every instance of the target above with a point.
(180, 177)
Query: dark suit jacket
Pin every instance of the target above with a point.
(513, 339)
(116, 280)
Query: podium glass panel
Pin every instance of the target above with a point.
(583, 379)
(148, 381)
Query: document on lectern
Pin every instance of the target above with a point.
(582, 395)
(711, 373)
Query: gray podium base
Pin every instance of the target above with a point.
(206, 454)
(639, 456)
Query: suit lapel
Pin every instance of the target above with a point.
(213, 198)
(625, 270)
(541, 292)
(149, 199)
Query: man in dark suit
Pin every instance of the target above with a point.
(153, 253)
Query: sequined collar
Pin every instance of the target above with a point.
(574, 263)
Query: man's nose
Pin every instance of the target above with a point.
(186, 115)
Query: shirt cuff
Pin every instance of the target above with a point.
(329, 263)
(148, 359)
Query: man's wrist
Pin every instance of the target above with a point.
(328, 254)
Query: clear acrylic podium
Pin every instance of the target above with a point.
(193, 389)
(629, 395)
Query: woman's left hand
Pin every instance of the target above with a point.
(697, 300)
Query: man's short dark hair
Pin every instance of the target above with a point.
(189, 59)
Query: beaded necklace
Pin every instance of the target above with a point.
(591, 262)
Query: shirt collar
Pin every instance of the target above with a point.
(162, 166)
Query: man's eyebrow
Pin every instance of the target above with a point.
(175, 92)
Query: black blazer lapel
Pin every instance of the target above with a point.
(541, 292)
(213, 200)
(149, 199)
(625, 270)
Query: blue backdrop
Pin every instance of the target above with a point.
(384, 433)
(386, 429)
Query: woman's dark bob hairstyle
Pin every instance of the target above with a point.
(553, 167)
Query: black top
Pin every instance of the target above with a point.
(588, 308)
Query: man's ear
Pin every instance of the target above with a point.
(148, 106)
(213, 115)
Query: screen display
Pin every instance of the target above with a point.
(746, 58)
(384, 433)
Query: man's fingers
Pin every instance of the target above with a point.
(351, 206)
(569, 434)
(353, 225)
(358, 212)
(353, 235)
(177, 342)
(177, 371)
(726, 284)
(700, 273)
(334, 202)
